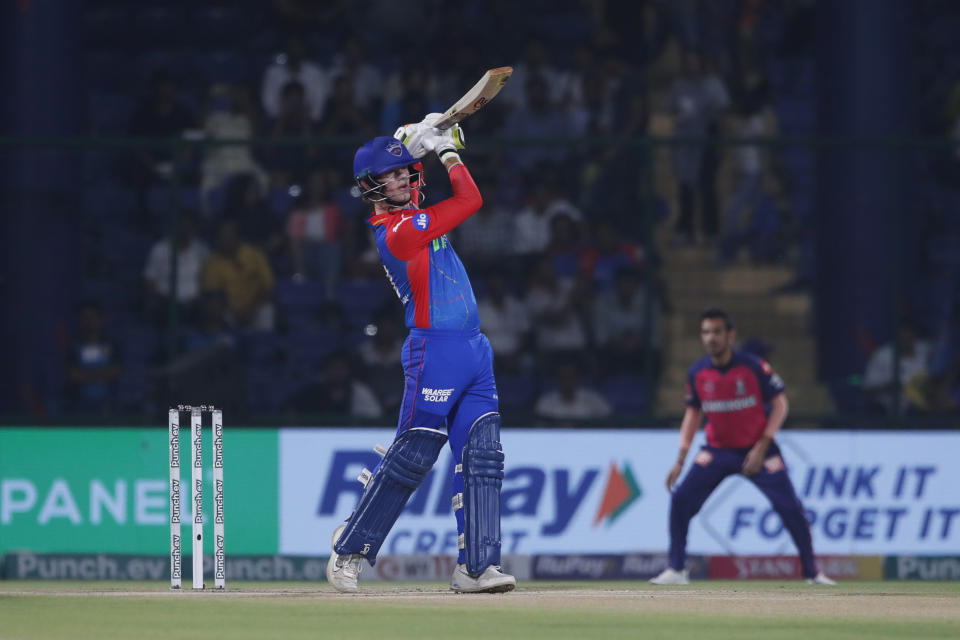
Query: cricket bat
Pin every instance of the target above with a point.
(472, 101)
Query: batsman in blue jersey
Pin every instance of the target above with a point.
(449, 392)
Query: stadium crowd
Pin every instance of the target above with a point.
(275, 272)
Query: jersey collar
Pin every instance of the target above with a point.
(377, 219)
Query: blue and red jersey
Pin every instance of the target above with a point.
(735, 397)
(421, 264)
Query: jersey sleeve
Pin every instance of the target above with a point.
(691, 396)
(771, 384)
(407, 233)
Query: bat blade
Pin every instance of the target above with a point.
(473, 100)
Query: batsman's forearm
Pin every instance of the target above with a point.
(466, 200)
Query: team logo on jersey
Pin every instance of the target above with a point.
(708, 386)
(776, 381)
(767, 369)
(421, 221)
(741, 387)
(403, 219)
(395, 149)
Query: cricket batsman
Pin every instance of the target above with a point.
(746, 405)
(449, 390)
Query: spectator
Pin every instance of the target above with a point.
(292, 66)
(246, 203)
(945, 365)
(612, 251)
(337, 391)
(532, 227)
(314, 231)
(558, 203)
(191, 255)
(556, 310)
(212, 329)
(364, 83)
(613, 177)
(409, 94)
(695, 99)
(231, 117)
(160, 115)
(544, 202)
(94, 367)
(537, 118)
(536, 63)
(878, 379)
(381, 359)
(750, 170)
(505, 321)
(622, 322)
(564, 247)
(288, 162)
(242, 271)
(592, 89)
(487, 237)
(569, 401)
(345, 118)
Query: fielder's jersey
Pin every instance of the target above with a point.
(736, 398)
(420, 262)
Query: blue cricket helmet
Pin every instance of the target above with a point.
(377, 156)
(380, 155)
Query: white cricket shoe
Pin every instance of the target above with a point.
(672, 576)
(343, 571)
(492, 580)
(821, 579)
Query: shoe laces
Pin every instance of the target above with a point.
(350, 565)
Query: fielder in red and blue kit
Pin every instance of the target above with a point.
(745, 404)
(450, 393)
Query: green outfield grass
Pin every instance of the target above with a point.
(710, 609)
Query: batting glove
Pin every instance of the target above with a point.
(413, 135)
(449, 141)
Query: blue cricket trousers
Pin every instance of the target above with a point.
(448, 385)
(710, 467)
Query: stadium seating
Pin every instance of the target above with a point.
(106, 25)
(363, 298)
(223, 25)
(222, 66)
(109, 202)
(109, 112)
(161, 25)
(629, 394)
(108, 69)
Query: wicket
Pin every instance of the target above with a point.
(196, 465)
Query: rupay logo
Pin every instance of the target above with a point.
(556, 495)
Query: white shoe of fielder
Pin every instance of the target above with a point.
(821, 579)
(671, 576)
(343, 571)
(492, 580)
